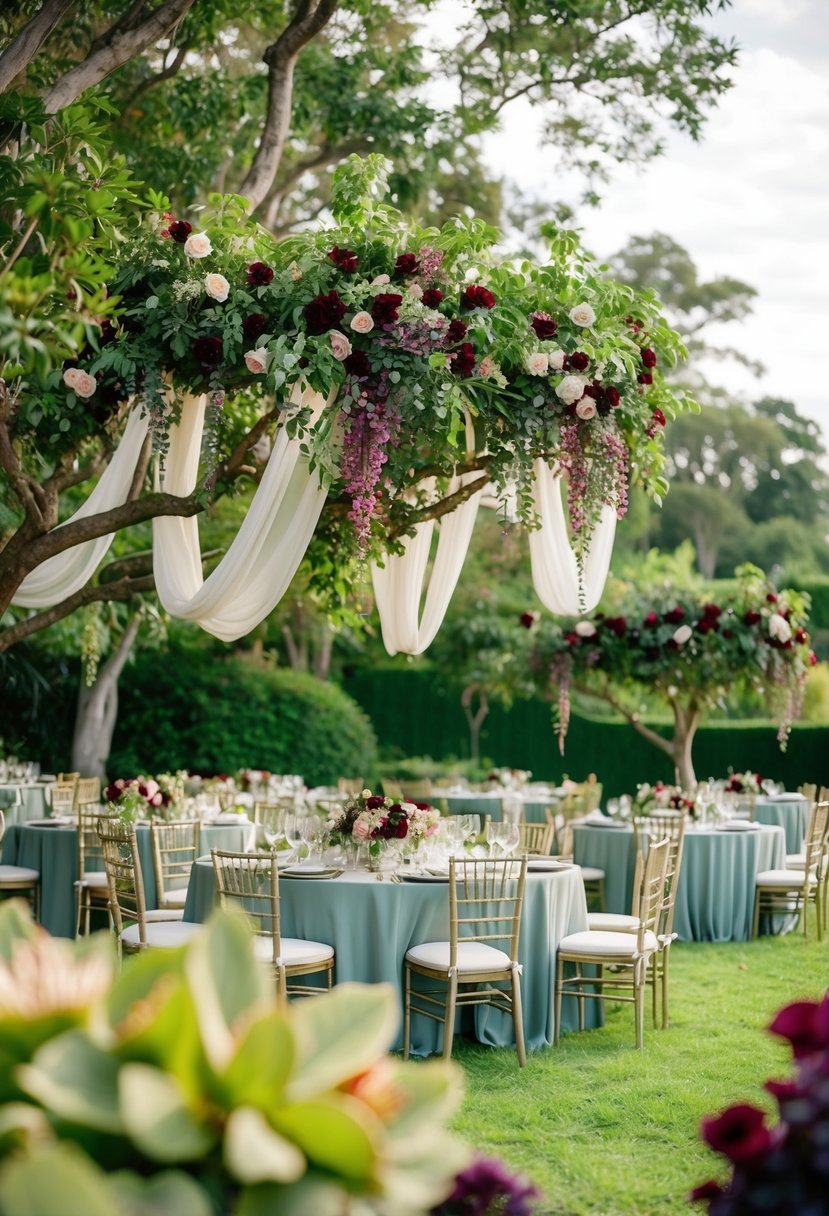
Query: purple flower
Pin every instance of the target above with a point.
(485, 1183)
(739, 1133)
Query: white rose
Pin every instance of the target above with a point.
(779, 627)
(586, 409)
(556, 360)
(217, 287)
(70, 377)
(198, 245)
(85, 384)
(340, 345)
(571, 389)
(380, 281)
(683, 634)
(582, 314)
(257, 361)
(586, 629)
(537, 363)
(362, 322)
(415, 291)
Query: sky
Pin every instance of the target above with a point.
(750, 201)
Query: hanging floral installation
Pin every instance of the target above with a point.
(436, 366)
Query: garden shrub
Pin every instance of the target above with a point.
(192, 711)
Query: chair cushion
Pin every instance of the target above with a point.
(176, 898)
(795, 861)
(612, 922)
(18, 874)
(786, 880)
(93, 878)
(156, 915)
(295, 951)
(591, 873)
(605, 945)
(164, 934)
(472, 956)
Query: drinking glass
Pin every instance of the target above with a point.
(509, 837)
(274, 828)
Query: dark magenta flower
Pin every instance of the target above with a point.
(476, 296)
(259, 275)
(457, 330)
(648, 357)
(179, 230)
(324, 312)
(806, 1026)
(462, 361)
(431, 297)
(253, 325)
(357, 363)
(385, 306)
(407, 263)
(487, 1186)
(208, 351)
(739, 1133)
(345, 260)
(543, 325)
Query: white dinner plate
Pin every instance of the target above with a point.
(549, 864)
(405, 877)
(740, 825)
(310, 872)
(59, 821)
(600, 823)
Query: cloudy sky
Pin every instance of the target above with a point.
(751, 200)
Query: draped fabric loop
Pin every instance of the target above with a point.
(558, 583)
(398, 584)
(258, 567)
(62, 575)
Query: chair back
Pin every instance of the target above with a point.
(652, 889)
(535, 837)
(90, 847)
(350, 785)
(416, 791)
(175, 848)
(485, 901)
(63, 797)
(809, 791)
(250, 882)
(123, 867)
(89, 790)
(68, 778)
(391, 788)
(272, 810)
(816, 839)
(672, 829)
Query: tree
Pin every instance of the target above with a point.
(688, 651)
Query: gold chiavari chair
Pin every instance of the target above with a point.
(592, 876)
(392, 788)
(535, 837)
(19, 880)
(627, 955)
(63, 798)
(790, 892)
(350, 785)
(89, 791)
(251, 881)
(92, 884)
(485, 901)
(417, 791)
(136, 928)
(68, 778)
(175, 848)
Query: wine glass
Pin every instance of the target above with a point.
(508, 837)
(274, 829)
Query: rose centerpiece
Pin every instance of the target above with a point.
(160, 797)
(745, 783)
(378, 822)
(650, 799)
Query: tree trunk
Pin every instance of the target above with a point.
(686, 721)
(98, 710)
(475, 720)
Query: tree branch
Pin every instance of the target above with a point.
(116, 47)
(167, 73)
(124, 589)
(310, 18)
(22, 49)
(326, 155)
(664, 745)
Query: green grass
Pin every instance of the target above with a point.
(603, 1129)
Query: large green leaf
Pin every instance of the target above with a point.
(73, 1078)
(336, 1133)
(170, 1193)
(254, 1152)
(226, 982)
(138, 979)
(310, 1196)
(429, 1094)
(156, 1116)
(16, 925)
(56, 1179)
(162, 1028)
(258, 1072)
(341, 1035)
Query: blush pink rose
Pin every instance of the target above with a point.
(361, 829)
(70, 377)
(538, 363)
(556, 360)
(362, 322)
(586, 409)
(81, 383)
(198, 245)
(256, 361)
(415, 291)
(381, 280)
(340, 345)
(217, 287)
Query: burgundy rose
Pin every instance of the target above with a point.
(456, 331)
(572, 639)
(407, 263)
(323, 313)
(752, 617)
(658, 417)
(728, 633)
(208, 351)
(344, 259)
(385, 306)
(462, 361)
(707, 625)
(645, 378)
(613, 396)
(579, 360)
(527, 619)
(357, 363)
(616, 624)
(476, 296)
(651, 621)
(179, 230)
(253, 325)
(375, 801)
(259, 275)
(594, 390)
(676, 615)
(543, 325)
(812, 659)
(806, 1026)
(712, 611)
(648, 357)
(771, 598)
(401, 828)
(739, 1133)
(431, 297)
(672, 644)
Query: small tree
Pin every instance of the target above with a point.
(686, 650)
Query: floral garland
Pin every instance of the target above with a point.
(406, 332)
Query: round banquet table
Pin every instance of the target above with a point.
(32, 804)
(787, 811)
(53, 851)
(532, 808)
(371, 924)
(715, 897)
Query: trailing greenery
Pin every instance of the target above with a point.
(188, 710)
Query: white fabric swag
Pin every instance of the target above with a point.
(554, 567)
(255, 572)
(65, 573)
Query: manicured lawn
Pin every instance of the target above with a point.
(604, 1129)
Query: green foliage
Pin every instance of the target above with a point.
(194, 711)
(184, 1062)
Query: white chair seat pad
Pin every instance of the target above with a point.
(796, 861)
(163, 934)
(160, 915)
(786, 880)
(295, 951)
(18, 874)
(93, 878)
(472, 956)
(176, 898)
(591, 873)
(606, 945)
(612, 922)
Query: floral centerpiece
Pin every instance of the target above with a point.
(661, 797)
(783, 1167)
(509, 778)
(376, 821)
(745, 783)
(160, 797)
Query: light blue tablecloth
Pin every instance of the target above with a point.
(791, 814)
(488, 804)
(715, 898)
(53, 851)
(371, 925)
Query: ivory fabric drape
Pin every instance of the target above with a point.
(554, 567)
(255, 572)
(65, 573)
